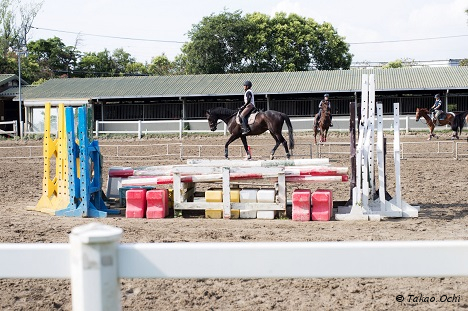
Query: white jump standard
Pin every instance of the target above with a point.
(364, 207)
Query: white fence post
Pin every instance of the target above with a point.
(97, 128)
(94, 267)
(139, 129)
(181, 128)
(407, 125)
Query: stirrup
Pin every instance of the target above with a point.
(245, 131)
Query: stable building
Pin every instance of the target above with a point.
(188, 96)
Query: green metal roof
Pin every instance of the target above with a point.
(335, 81)
(5, 78)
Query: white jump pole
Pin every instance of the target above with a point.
(365, 148)
(396, 152)
(371, 118)
(380, 156)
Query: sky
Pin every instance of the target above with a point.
(359, 21)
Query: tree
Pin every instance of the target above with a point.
(53, 56)
(229, 42)
(216, 44)
(393, 64)
(331, 52)
(94, 64)
(122, 60)
(463, 62)
(400, 63)
(161, 66)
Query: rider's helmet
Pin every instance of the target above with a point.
(437, 96)
(326, 95)
(248, 84)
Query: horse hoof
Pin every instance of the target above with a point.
(288, 156)
(272, 157)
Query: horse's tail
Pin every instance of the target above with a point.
(290, 131)
(459, 122)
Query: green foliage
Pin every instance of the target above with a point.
(463, 62)
(160, 66)
(399, 63)
(230, 42)
(394, 64)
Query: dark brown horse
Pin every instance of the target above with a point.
(324, 124)
(459, 122)
(269, 120)
(423, 112)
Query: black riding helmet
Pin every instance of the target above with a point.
(326, 95)
(248, 84)
(436, 96)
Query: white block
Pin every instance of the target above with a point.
(248, 214)
(248, 195)
(265, 214)
(266, 196)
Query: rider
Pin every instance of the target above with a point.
(437, 108)
(324, 101)
(249, 105)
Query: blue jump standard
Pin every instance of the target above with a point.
(85, 190)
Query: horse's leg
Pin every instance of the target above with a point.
(280, 140)
(272, 153)
(226, 146)
(246, 148)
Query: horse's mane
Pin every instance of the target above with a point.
(221, 111)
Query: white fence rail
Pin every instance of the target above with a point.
(140, 128)
(14, 128)
(95, 261)
(179, 151)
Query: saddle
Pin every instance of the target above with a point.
(250, 117)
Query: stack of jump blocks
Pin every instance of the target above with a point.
(312, 206)
(230, 202)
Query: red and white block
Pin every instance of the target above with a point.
(322, 205)
(136, 203)
(301, 205)
(157, 201)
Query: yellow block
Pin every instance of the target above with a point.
(235, 196)
(214, 196)
(235, 213)
(214, 213)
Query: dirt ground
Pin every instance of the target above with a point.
(443, 216)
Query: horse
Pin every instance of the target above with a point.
(324, 124)
(265, 120)
(459, 122)
(423, 112)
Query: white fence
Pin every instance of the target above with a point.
(178, 151)
(140, 128)
(94, 261)
(14, 128)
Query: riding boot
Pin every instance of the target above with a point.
(245, 126)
